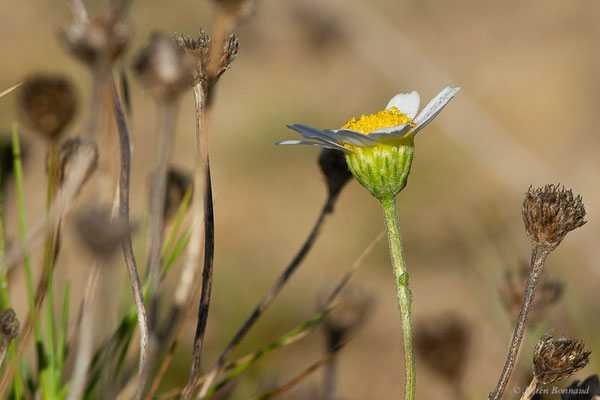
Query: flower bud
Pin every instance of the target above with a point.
(334, 168)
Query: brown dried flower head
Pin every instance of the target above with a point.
(556, 359)
(101, 234)
(512, 287)
(9, 323)
(549, 213)
(443, 344)
(48, 103)
(201, 47)
(178, 183)
(164, 67)
(355, 305)
(98, 42)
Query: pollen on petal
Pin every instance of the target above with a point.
(383, 119)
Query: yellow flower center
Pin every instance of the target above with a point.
(383, 119)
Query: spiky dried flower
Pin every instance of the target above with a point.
(549, 213)
(48, 103)
(9, 323)
(512, 286)
(164, 67)
(101, 234)
(335, 169)
(589, 389)
(355, 305)
(98, 42)
(200, 48)
(556, 359)
(443, 344)
(178, 183)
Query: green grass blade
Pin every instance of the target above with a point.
(177, 250)
(18, 171)
(62, 334)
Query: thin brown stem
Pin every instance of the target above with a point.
(207, 281)
(531, 389)
(302, 375)
(538, 259)
(3, 349)
(130, 262)
(268, 298)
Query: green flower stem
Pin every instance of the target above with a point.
(402, 292)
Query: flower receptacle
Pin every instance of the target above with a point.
(383, 168)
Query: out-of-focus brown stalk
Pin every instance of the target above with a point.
(86, 336)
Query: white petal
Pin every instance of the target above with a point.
(391, 133)
(350, 136)
(434, 107)
(332, 146)
(407, 103)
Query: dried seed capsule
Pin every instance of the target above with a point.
(549, 213)
(9, 323)
(556, 359)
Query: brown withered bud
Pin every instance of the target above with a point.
(164, 67)
(48, 103)
(336, 172)
(549, 213)
(512, 287)
(98, 42)
(178, 183)
(230, 52)
(443, 344)
(9, 323)
(100, 233)
(589, 389)
(68, 150)
(556, 359)
(355, 306)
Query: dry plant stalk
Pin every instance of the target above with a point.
(549, 214)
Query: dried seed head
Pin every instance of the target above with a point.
(334, 167)
(556, 359)
(98, 42)
(200, 48)
(443, 344)
(230, 52)
(587, 390)
(164, 67)
(101, 234)
(549, 213)
(9, 323)
(178, 183)
(512, 287)
(48, 103)
(355, 305)
(69, 148)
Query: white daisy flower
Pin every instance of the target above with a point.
(399, 120)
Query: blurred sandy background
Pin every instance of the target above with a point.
(527, 115)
